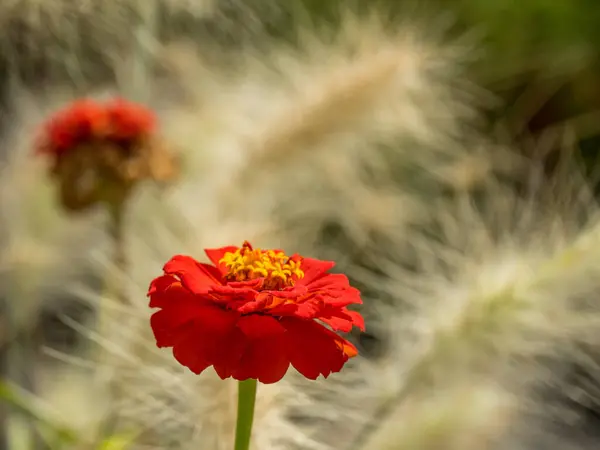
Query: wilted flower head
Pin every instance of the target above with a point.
(100, 150)
(253, 313)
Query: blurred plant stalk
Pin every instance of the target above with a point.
(114, 292)
(19, 347)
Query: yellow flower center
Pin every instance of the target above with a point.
(277, 269)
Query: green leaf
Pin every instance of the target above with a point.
(119, 441)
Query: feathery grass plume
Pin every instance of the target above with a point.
(507, 282)
(468, 417)
(333, 108)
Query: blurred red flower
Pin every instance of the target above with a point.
(86, 120)
(253, 313)
(128, 120)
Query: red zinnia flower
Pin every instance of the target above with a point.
(253, 313)
(87, 121)
(99, 151)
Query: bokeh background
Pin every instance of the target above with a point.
(442, 152)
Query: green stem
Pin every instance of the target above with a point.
(245, 414)
(114, 290)
(117, 234)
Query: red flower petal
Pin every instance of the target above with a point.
(313, 349)
(257, 351)
(168, 326)
(258, 327)
(233, 292)
(335, 290)
(166, 290)
(168, 322)
(305, 310)
(313, 269)
(200, 349)
(216, 254)
(264, 359)
(350, 296)
(256, 304)
(347, 348)
(193, 350)
(81, 121)
(252, 284)
(129, 120)
(232, 298)
(198, 278)
(289, 292)
(357, 319)
(228, 353)
(342, 319)
(201, 335)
